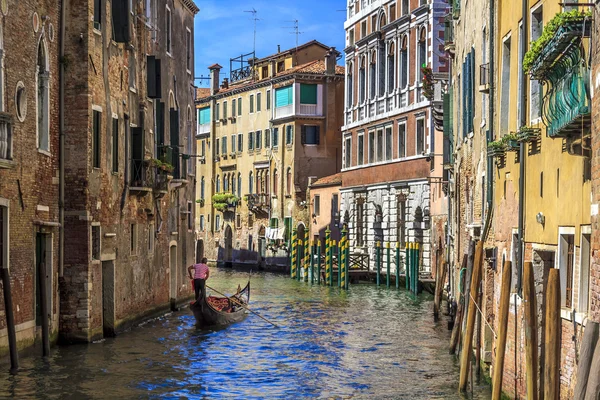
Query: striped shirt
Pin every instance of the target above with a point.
(201, 270)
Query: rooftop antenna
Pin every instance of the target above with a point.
(254, 12)
(296, 32)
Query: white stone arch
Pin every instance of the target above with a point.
(381, 18)
(42, 95)
(172, 104)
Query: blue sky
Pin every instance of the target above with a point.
(223, 30)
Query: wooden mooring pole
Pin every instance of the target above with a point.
(586, 354)
(502, 331)
(552, 342)
(531, 334)
(466, 351)
(456, 329)
(294, 254)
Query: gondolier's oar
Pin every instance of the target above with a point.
(242, 305)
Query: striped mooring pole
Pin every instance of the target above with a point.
(407, 265)
(327, 256)
(347, 265)
(397, 265)
(333, 251)
(306, 255)
(387, 245)
(378, 261)
(416, 270)
(300, 257)
(343, 260)
(312, 261)
(319, 261)
(294, 254)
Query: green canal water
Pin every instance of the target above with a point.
(367, 343)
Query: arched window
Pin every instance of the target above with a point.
(43, 104)
(382, 21)
(233, 184)
(202, 188)
(240, 185)
(267, 182)
(349, 86)
(404, 62)
(288, 182)
(259, 182)
(250, 183)
(218, 184)
(226, 183)
(5, 139)
(391, 66)
(275, 182)
(422, 51)
(363, 79)
(372, 70)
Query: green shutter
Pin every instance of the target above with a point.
(308, 94)
(204, 115)
(284, 96)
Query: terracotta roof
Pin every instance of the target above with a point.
(293, 49)
(202, 92)
(331, 180)
(215, 66)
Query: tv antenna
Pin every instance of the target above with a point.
(254, 12)
(296, 30)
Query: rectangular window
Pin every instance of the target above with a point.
(388, 143)
(275, 137)
(95, 242)
(233, 143)
(217, 148)
(584, 274)
(268, 99)
(150, 237)
(190, 216)
(284, 96)
(360, 217)
(96, 143)
(239, 106)
(168, 30)
(274, 223)
(224, 145)
(566, 248)
(202, 223)
(360, 149)
(258, 138)
(289, 134)
(392, 13)
(287, 222)
(225, 110)
(250, 141)
(308, 94)
(505, 89)
(380, 145)
(420, 138)
(348, 152)
(310, 134)
(371, 147)
(115, 145)
(537, 27)
(258, 101)
(402, 140)
(217, 113)
(240, 142)
(251, 103)
(203, 148)
(317, 205)
(97, 14)
(189, 50)
(363, 29)
(133, 239)
(204, 115)
(519, 81)
(401, 221)
(131, 70)
(238, 221)
(233, 108)
(217, 222)
(267, 138)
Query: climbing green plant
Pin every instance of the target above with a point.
(560, 19)
(158, 164)
(222, 201)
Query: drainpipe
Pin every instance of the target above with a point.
(522, 154)
(490, 135)
(61, 145)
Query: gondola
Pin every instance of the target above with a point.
(220, 311)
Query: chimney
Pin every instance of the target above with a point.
(214, 78)
(330, 60)
(278, 49)
(225, 84)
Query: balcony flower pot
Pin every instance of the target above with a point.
(496, 149)
(527, 134)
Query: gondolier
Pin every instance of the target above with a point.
(201, 274)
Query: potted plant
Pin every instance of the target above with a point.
(224, 201)
(200, 202)
(511, 142)
(496, 148)
(528, 134)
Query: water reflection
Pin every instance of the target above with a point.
(368, 342)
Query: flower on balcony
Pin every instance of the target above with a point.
(427, 81)
(560, 20)
(159, 165)
(510, 141)
(496, 148)
(224, 201)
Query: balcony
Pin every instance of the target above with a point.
(203, 130)
(259, 202)
(308, 109)
(5, 140)
(284, 111)
(484, 78)
(142, 177)
(449, 34)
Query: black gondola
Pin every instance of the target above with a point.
(221, 311)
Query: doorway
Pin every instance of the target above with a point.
(108, 298)
(199, 250)
(228, 258)
(261, 243)
(43, 268)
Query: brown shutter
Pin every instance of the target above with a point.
(121, 20)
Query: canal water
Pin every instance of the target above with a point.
(367, 343)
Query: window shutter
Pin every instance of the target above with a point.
(174, 127)
(137, 143)
(308, 94)
(120, 20)
(283, 96)
(160, 122)
(472, 107)
(303, 134)
(317, 135)
(153, 77)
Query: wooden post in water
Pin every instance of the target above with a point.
(588, 345)
(328, 264)
(454, 339)
(397, 265)
(312, 261)
(592, 391)
(306, 256)
(378, 260)
(407, 266)
(466, 351)
(440, 279)
(343, 261)
(531, 334)
(294, 253)
(300, 258)
(332, 251)
(347, 264)
(502, 331)
(416, 269)
(388, 264)
(319, 261)
(552, 342)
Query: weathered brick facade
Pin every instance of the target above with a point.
(128, 235)
(29, 161)
(595, 264)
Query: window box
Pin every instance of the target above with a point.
(496, 149)
(527, 134)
